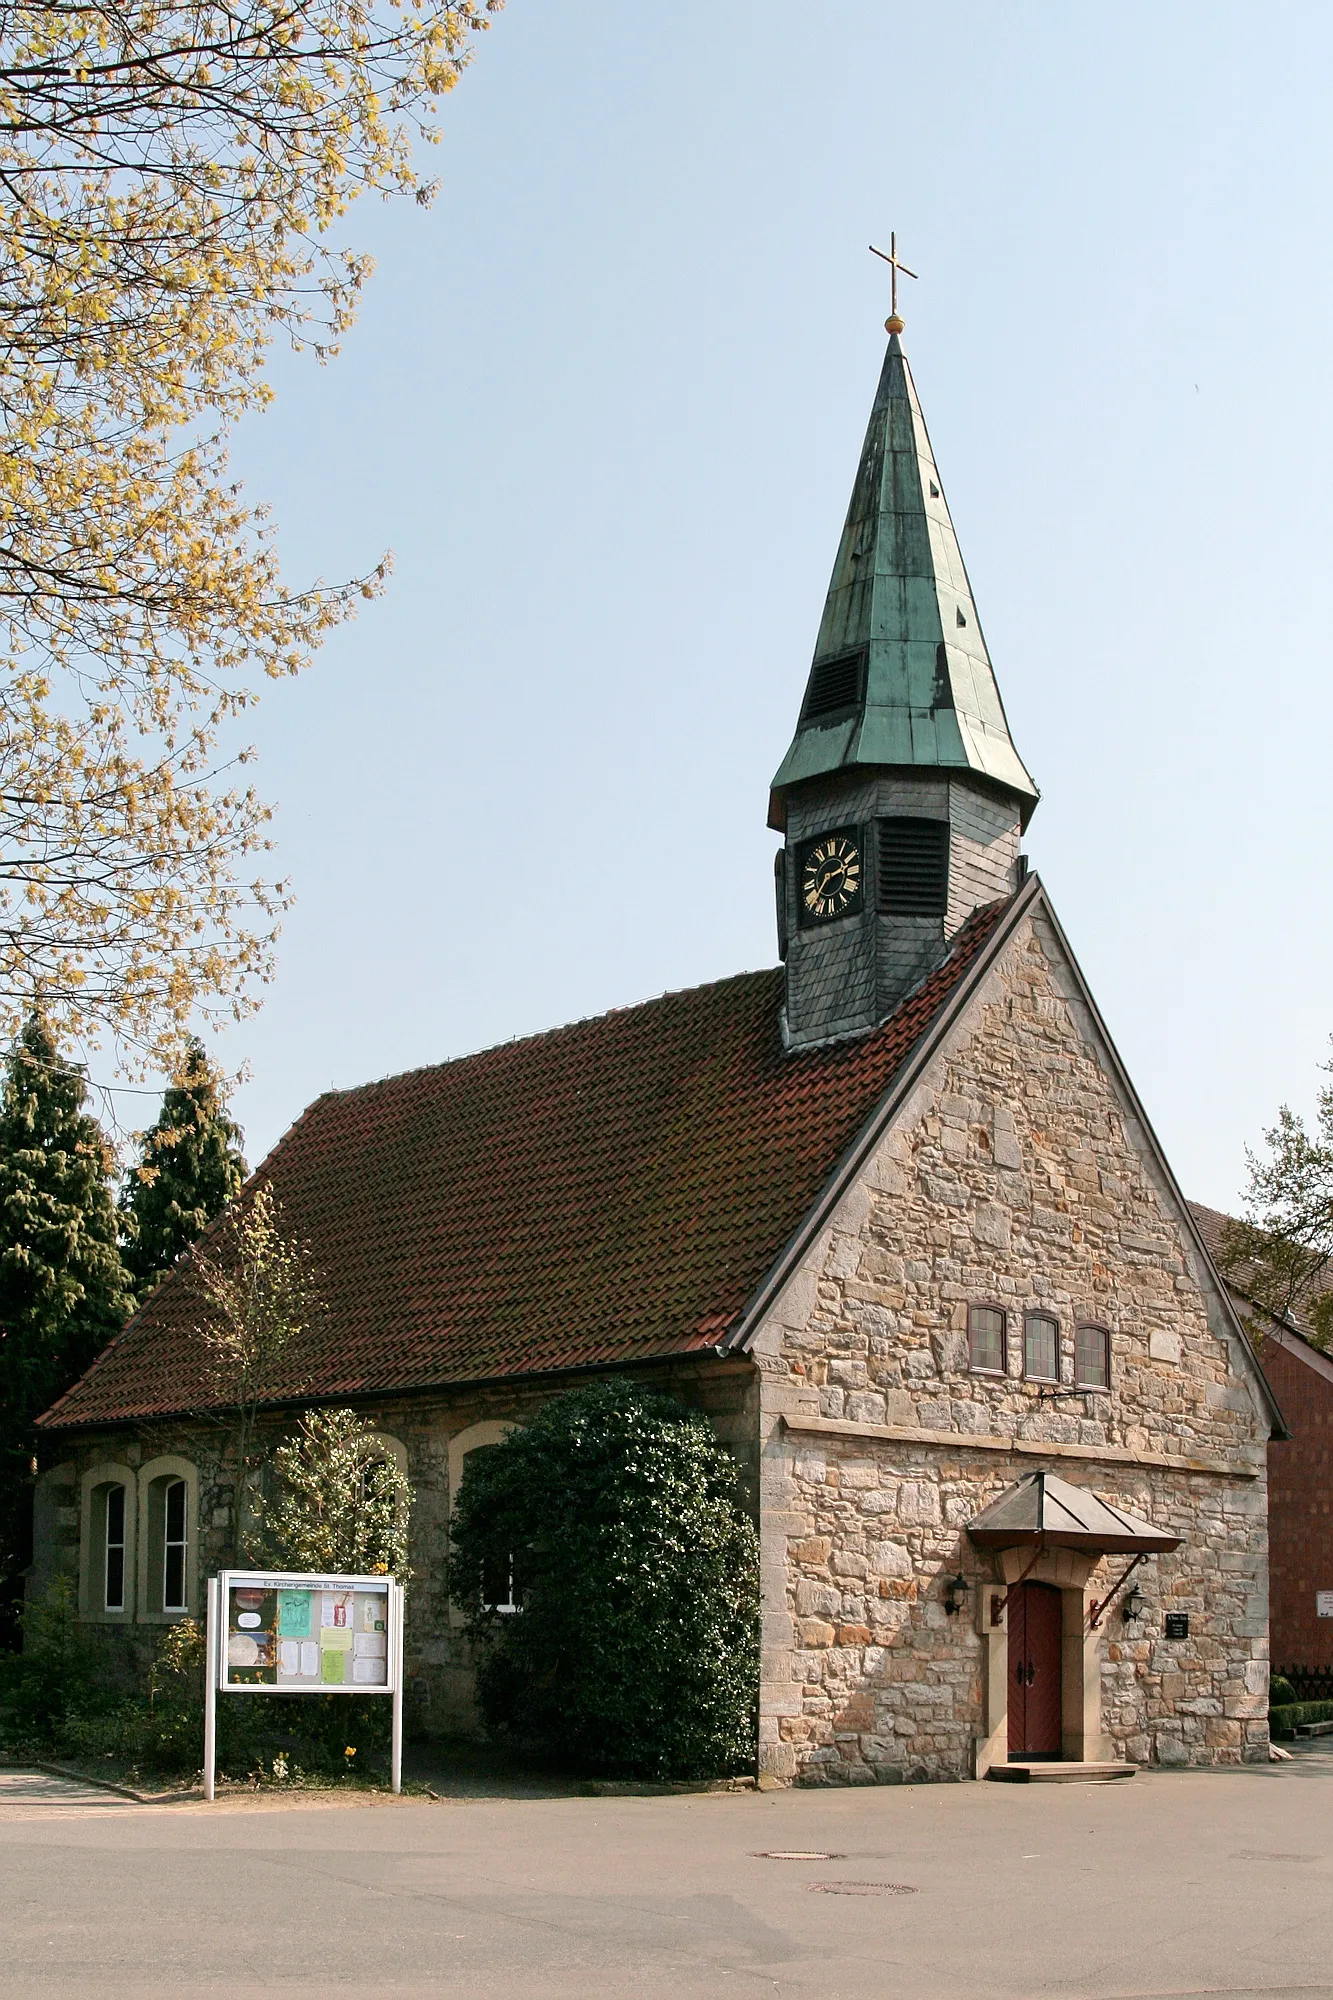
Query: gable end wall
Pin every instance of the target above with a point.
(1014, 1175)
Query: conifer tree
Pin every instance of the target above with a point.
(63, 1288)
(189, 1168)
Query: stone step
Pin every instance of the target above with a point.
(1041, 1773)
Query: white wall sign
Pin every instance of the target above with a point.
(1323, 1603)
(284, 1632)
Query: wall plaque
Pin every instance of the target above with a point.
(1177, 1625)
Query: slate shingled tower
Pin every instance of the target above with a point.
(902, 797)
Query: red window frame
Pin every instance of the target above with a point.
(1093, 1326)
(986, 1305)
(1051, 1320)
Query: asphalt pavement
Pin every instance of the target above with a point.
(1180, 1884)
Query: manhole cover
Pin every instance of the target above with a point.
(862, 1888)
(795, 1854)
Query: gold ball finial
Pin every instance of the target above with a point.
(893, 324)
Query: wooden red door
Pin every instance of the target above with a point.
(1036, 1626)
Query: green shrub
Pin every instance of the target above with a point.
(58, 1667)
(1285, 1721)
(615, 1515)
(1280, 1692)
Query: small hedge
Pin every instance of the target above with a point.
(635, 1652)
(1285, 1720)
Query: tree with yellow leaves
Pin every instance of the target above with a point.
(170, 176)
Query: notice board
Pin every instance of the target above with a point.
(287, 1633)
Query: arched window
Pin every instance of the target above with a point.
(501, 1586)
(498, 1588)
(1092, 1357)
(986, 1340)
(393, 1451)
(175, 1542)
(168, 1565)
(1041, 1347)
(107, 1543)
(112, 1512)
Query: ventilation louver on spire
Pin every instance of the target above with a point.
(913, 867)
(836, 687)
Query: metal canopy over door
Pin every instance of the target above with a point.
(1036, 1625)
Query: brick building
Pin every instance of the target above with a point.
(890, 1212)
(1300, 1479)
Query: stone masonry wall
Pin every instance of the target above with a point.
(439, 1679)
(1015, 1176)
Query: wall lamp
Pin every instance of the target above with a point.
(956, 1594)
(1133, 1604)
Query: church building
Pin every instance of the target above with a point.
(889, 1212)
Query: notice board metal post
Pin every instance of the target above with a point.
(211, 1689)
(396, 1641)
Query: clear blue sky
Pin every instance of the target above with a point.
(605, 403)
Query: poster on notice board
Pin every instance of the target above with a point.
(286, 1633)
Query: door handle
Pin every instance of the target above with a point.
(1032, 1673)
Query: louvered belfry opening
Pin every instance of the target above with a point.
(837, 686)
(913, 856)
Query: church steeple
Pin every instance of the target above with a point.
(901, 676)
(902, 756)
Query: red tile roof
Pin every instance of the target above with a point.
(607, 1192)
(1213, 1225)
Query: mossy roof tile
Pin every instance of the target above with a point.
(608, 1192)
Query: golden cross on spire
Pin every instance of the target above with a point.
(893, 324)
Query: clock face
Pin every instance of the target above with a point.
(830, 882)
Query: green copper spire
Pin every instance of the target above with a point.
(901, 676)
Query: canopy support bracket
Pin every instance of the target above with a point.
(1097, 1612)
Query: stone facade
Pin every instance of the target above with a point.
(430, 1434)
(845, 976)
(1016, 1176)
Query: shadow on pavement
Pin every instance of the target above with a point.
(458, 1768)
